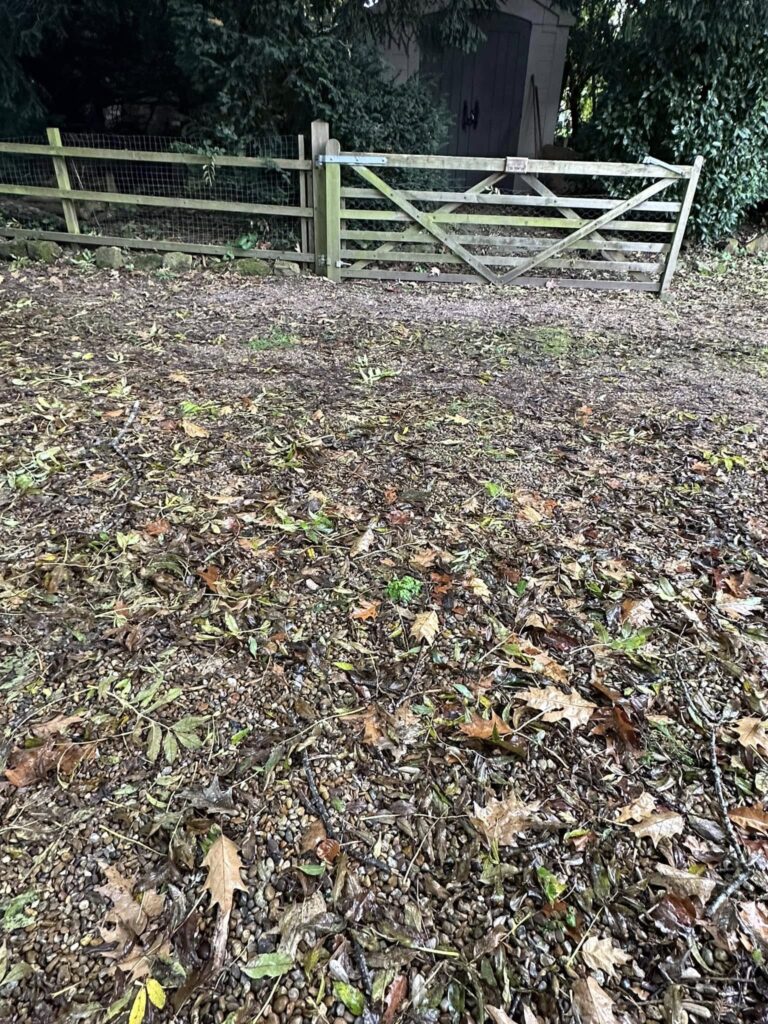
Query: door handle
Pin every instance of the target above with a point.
(469, 118)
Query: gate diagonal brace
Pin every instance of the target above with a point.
(587, 229)
(426, 221)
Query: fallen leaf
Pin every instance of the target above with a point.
(480, 589)
(268, 965)
(192, 429)
(737, 607)
(529, 1017)
(297, 920)
(125, 909)
(363, 543)
(224, 865)
(373, 734)
(32, 764)
(425, 627)
(328, 850)
(753, 733)
(365, 610)
(557, 705)
(157, 527)
(659, 826)
(675, 913)
(602, 955)
(636, 612)
(210, 576)
(55, 726)
(396, 993)
(642, 807)
(754, 917)
(592, 1004)
(423, 559)
(753, 818)
(616, 721)
(312, 835)
(684, 883)
(503, 820)
(485, 728)
(498, 1016)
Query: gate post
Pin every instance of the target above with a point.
(319, 135)
(62, 182)
(332, 173)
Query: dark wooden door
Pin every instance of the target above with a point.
(484, 90)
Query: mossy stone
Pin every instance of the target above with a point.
(178, 262)
(45, 252)
(287, 268)
(14, 249)
(147, 261)
(252, 267)
(109, 257)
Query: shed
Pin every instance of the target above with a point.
(504, 97)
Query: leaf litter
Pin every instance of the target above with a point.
(440, 696)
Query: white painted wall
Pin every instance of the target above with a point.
(546, 62)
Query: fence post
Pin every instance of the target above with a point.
(332, 214)
(319, 135)
(682, 220)
(62, 182)
(304, 193)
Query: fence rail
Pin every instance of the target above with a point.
(386, 216)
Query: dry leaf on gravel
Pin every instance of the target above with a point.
(498, 1016)
(365, 610)
(558, 705)
(396, 993)
(192, 429)
(126, 910)
(480, 589)
(636, 612)
(297, 919)
(684, 883)
(224, 865)
(737, 607)
(639, 809)
(503, 820)
(362, 543)
(675, 914)
(529, 1017)
(753, 733)
(751, 818)
(34, 763)
(55, 726)
(754, 917)
(425, 627)
(591, 1003)
(485, 728)
(659, 826)
(602, 955)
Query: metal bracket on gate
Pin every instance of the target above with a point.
(349, 158)
(661, 163)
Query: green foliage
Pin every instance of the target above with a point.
(680, 78)
(403, 589)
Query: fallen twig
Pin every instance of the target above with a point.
(717, 778)
(757, 860)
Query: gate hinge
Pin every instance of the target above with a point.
(351, 158)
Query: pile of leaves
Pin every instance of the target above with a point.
(412, 669)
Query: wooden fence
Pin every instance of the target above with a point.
(384, 216)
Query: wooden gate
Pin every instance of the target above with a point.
(527, 222)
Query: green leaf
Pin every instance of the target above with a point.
(238, 737)
(312, 869)
(170, 747)
(345, 666)
(14, 916)
(268, 965)
(154, 737)
(189, 740)
(551, 885)
(352, 997)
(17, 973)
(231, 623)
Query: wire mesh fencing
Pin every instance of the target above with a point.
(200, 192)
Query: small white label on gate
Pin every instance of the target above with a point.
(516, 164)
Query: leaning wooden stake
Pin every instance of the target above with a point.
(682, 220)
(332, 173)
(62, 181)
